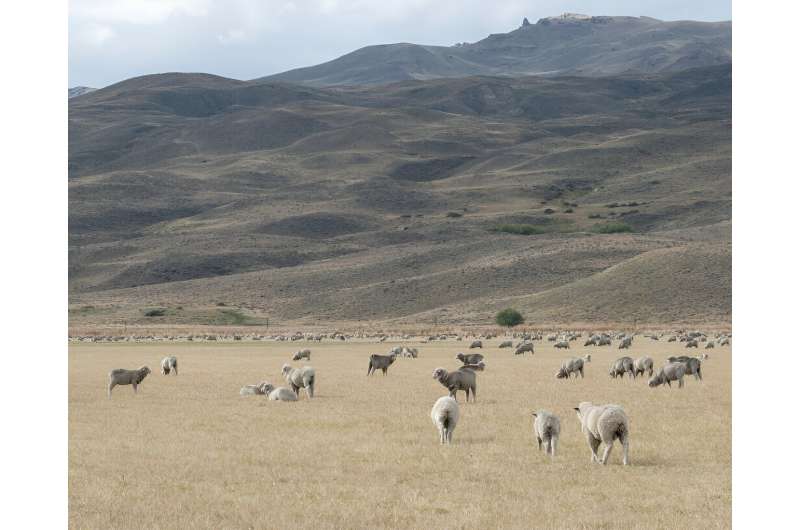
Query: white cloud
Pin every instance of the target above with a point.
(136, 11)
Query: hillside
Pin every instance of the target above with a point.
(566, 45)
(305, 205)
(79, 91)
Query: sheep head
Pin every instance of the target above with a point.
(440, 374)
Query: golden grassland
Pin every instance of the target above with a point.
(189, 452)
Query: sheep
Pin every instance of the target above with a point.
(604, 423)
(280, 393)
(643, 364)
(458, 380)
(572, 365)
(444, 415)
(476, 344)
(522, 348)
(121, 376)
(472, 358)
(479, 367)
(506, 344)
(410, 352)
(302, 354)
(621, 366)
(693, 365)
(250, 390)
(691, 343)
(709, 345)
(626, 343)
(587, 358)
(561, 344)
(546, 428)
(672, 371)
(298, 378)
(380, 362)
(169, 364)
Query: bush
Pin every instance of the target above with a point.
(160, 312)
(509, 318)
(612, 228)
(519, 229)
(454, 214)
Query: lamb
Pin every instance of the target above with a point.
(458, 380)
(604, 423)
(445, 416)
(522, 348)
(546, 427)
(298, 378)
(280, 393)
(672, 371)
(121, 376)
(479, 367)
(169, 364)
(572, 365)
(380, 362)
(506, 344)
(621, 366)
(476, 344)
(561, 344)
(251, 390)
(302, 354)
(472, 358)
(643, 364)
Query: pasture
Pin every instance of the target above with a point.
(188, 451)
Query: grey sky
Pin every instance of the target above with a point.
(112, 40)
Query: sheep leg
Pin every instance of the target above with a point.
(474, 396)
(624, 440)
(175, 370)
(607, 452)
(111, 385)
(581, 373)
(539, 439)
(553, 444)
(594, 443)
(680, 382)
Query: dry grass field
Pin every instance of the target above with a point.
(189, 452)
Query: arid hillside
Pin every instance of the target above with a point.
(572, 198)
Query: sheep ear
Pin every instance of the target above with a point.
(577, 409)
(533, 414)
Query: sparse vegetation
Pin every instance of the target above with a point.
(454, 214)
(612, 228)
(509, 318)
(519, 229)
(156, 312)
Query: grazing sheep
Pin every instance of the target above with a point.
(302, 354)
(380, 362)
(410, 352)
(691, 343)
(672, 371)
(642, 365)
(445, 416)
(604, 423)
(472, 358)
(479, 367)
(169, 364)
(506, 344)
(121, 376)
(280, 393)
(251, 390)
(522, 348)
(561, 344)
(693, 365)
(572, 365)
(458, 380)
(298, 378)
(546, 427)
(626, 343)
(476, 344)
(621, 366)
(709, 345)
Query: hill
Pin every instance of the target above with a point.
(569, 44)
(79, 91)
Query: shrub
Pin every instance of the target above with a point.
(159, 312)
(519, 229)
(549, 211)
(612, 228)
(454, 214)
(509, 318)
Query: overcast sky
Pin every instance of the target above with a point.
(112, 40)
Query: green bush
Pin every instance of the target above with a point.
(519, 229)
(612, 228)
(160, 312)
(509, 318)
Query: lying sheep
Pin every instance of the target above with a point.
(251, 390)
(478, 367)
(280, 393)
(302, 354)
(169, 364)
(380, 362)
(476, 344)
(621, 366)
(642, 365)
(561, 344)
(672, 371)
(522, 348)
(298, 378)
(572, 365)
(546, 428)
(121, 376)
(604, 423)
(693, 365)
(472, 358)
(444, 415)
(506, 344)
(458, 380)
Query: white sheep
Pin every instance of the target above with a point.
(445, 416)
(546, 427)
(251, 390)
(604, 423)
(169, 364)
(298, 378)
(280, 393)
